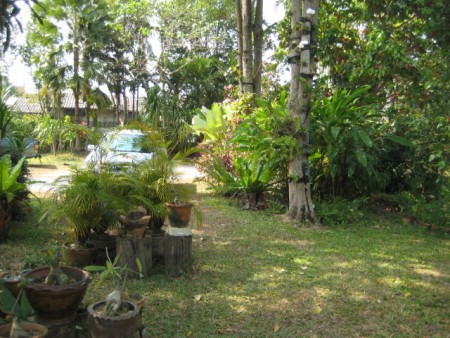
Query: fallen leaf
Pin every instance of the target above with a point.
(317, 310)
(198, 298)
(276, 327)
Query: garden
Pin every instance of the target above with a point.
(258, 274)
(320, 203)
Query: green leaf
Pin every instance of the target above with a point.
(94, 268)
(400, 140)
(139, 265)
(361, 157)
(365, 138)
(335, 131)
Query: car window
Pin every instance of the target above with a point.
(128, 143)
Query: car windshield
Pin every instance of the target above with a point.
(128, 143)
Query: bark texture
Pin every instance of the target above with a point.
(250, 44)
(301, 49)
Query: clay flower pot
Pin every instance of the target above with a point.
(135, 223)
(12, 282)
(34, 330)
(179, 213)
(56, 304)
(76, 255)
(102, 326)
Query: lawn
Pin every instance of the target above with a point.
(258, 275)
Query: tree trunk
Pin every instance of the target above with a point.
(258, 47)
(76, 85)
(303, 32)
(250, 45)
(129, 248)
(125, 108)
(239, 36)
(247, 48)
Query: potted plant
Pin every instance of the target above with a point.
(9, 188)
(55, 292)
(18, 308)
(153, 185)
(119, 314)
(89, 204)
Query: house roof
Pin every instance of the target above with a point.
(30, 104)
(27, 105)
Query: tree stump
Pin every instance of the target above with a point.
(128, 248)
(178, 255)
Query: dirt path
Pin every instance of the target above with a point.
(44, 175)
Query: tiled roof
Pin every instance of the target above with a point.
(31, 105)
(68, 101)
(27, 105)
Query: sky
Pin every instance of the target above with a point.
(20, 75)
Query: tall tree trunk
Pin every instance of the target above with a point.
(258, 47)
(239, 36)
(250, 44)
(303, 33)
(247, 47)
(76, 85)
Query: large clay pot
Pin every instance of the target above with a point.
(101, 326)
(179, 214)
(56, 304)
(33, 329)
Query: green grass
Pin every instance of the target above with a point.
(257, 275)
(68, 158)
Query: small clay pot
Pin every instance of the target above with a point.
(102, 326)
(179, 214)
(12, 282)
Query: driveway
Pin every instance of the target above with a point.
(44, 175)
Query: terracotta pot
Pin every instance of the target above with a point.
(135, 223)
(12, 283)
(78, 256)
(100, 242)
(56, 304)
(101, 326)
(179, 214)
(33, 329)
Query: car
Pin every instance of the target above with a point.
(119, 150)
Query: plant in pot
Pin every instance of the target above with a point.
(55, 292)
(9, 188)
(18, 311)
(152, 184)
(119, 314)
(88, 203)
